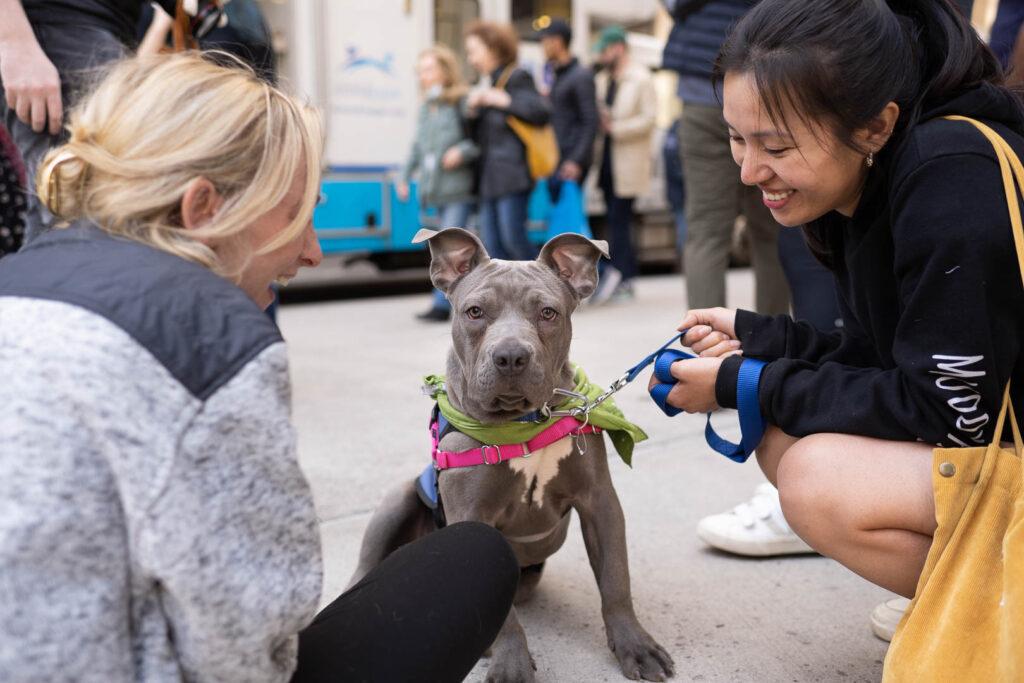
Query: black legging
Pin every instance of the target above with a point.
(426, 613)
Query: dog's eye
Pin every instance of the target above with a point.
(474, 312)
(548, 313)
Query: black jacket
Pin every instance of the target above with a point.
(574, 113)
(119, 17)
(697, 35)
(502, 165)
(930, 292)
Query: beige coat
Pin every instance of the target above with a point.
(632, 124)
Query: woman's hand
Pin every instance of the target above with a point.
(452, 158)
(490, 97)
(32, 87)
(711, 332)
(694, 391)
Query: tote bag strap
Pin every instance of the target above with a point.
(1012, 170)
(1007, 160)
(1018, 443)
(505, 75)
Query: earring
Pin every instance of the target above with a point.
(870, 160)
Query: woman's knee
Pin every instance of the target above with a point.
(492, 553)
(806, 483)
(773, 446)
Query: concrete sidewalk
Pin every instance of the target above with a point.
(356, 369)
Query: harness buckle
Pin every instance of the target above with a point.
(483, 455)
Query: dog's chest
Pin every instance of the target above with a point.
(540, 469)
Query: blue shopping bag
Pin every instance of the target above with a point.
(567, 213)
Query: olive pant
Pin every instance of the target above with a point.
(714, 198)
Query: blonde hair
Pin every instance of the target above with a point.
(454, 86)
(156, 124)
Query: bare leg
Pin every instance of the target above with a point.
(770, 451)
(867, 503)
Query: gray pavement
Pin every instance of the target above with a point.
(361, 421)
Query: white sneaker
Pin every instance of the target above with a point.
(886, 617)
(755, 528)
(610, 279)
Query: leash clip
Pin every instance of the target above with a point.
(620, 383)
(575, 411)
(544, 413)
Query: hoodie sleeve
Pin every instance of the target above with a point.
(768, 337)
(960, 327)
(232, 541)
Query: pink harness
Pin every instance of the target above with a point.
(567, 426)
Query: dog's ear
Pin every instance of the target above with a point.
(453, 253)
(574, 258)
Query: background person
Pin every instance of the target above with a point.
(714, 194)
(504, 181)
(675, 191)
(156, 523)
(246, 35)
(442, 152)
(47, 48)
(573, 107)
(628, 107)
(909, 212)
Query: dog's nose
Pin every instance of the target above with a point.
(510, 359)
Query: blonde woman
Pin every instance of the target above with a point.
(154, 522)
(442, 153)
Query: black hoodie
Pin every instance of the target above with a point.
(930, 291)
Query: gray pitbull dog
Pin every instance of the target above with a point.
(511, 332)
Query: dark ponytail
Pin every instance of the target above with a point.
(837, 63)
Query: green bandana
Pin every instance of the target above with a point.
(607, 416)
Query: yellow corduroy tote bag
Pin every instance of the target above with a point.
(966, 621)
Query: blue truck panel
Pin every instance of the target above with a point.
(360, 213)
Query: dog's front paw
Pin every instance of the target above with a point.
(639, 655)
(513, 668)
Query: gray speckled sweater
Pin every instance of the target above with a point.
(154, 523)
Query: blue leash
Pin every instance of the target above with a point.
(752, 423)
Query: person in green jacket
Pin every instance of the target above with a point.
(442, 152)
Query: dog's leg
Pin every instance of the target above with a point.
(529, 577)
(511, 661)
(399, 519)
(604, 534)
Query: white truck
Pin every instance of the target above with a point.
(355, 60)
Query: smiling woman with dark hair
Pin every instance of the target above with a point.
(835, 110)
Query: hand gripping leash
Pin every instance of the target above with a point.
(752, 423)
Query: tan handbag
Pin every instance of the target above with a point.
(966, 621)
(541, 146)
